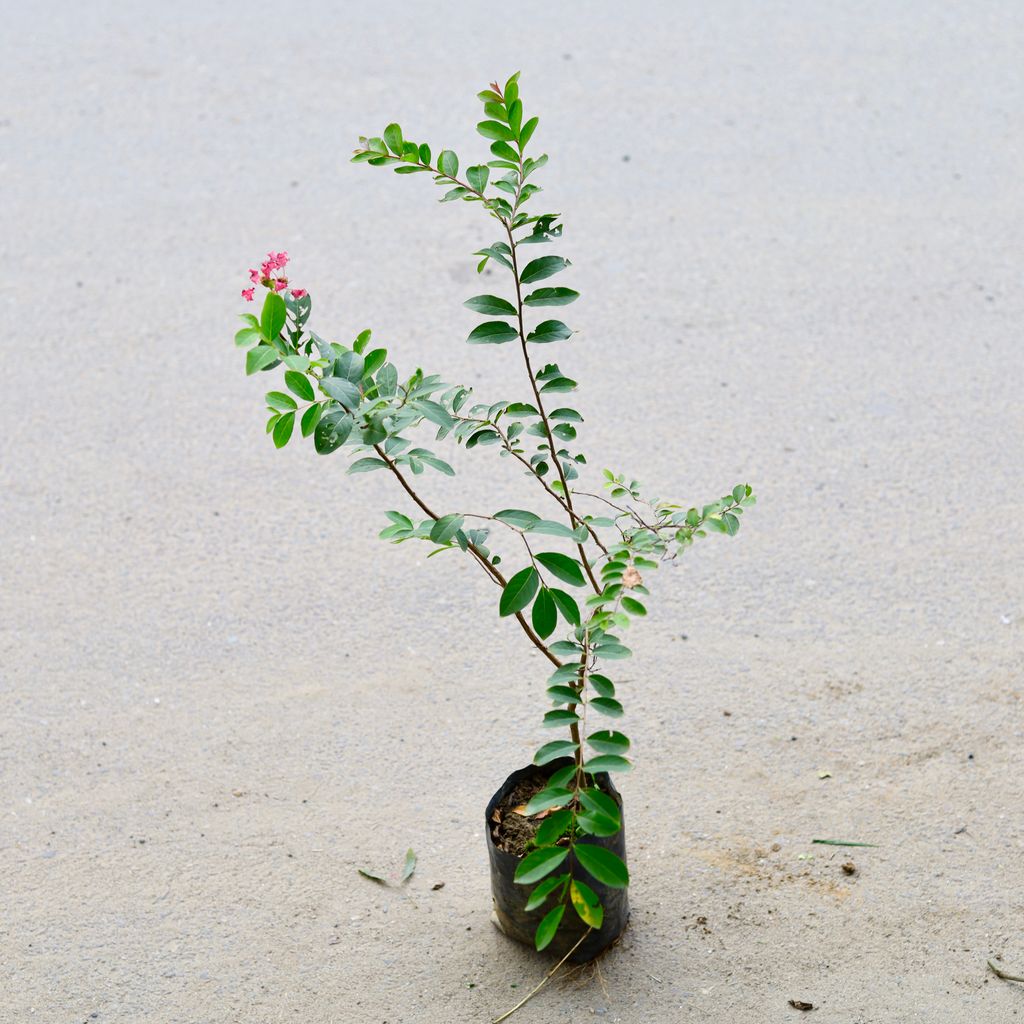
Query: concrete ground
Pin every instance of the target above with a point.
(797, 231)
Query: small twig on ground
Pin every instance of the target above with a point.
(547, 977)
(1002, 974)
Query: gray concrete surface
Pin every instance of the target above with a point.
(797, 230)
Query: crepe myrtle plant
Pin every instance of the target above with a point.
(572, 575)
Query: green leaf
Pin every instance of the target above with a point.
(563, 695)
(558, 386)
(394, 140)
(259, 357)
(342, 390)
(552, 529)
(604, 865)
(445, 528)
(544, 890)
(607, 763)
(566, 648)
(332, 431)
(633, 606)
(477, 176)
(435, 463)
(490, 305)
(436, 413)
(608, 742)
(534, 866)
(350, 366)
(310, 418)
(551, 297)
(527, 131)
(553, 827)
(273, 317)
(495, 130)
(505, 151)
(448, 163)
(604, 686)
(517, 517)
(492, 332)
(554, 750)
(283, 429)
(551, 797)
(562, 776)
(549, 331)
(367, 465)
(519, 591)
(548, 926)
(587, 905)
(567, 416)
(515, 115)
(373, 361)
(545, 618)
(298, 384)
(607, 706)
(280, 401)
(612, 651)
(539, 269)
(247, 336)
(596, 823)
(559, 718)
(387, 381)
(567, 606)
(562, 566)
(598, 800)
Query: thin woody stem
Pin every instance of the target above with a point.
(573, 517)
(492, 571)
(507, 444)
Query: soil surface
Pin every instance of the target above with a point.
(796, 230)
(511, 830)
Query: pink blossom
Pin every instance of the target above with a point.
(266, 269)
(298, 293)
(280, 284)
(276, 260)
(254, 276)
(247, 294)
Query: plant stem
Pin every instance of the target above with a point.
(507, 444)
(573, 518)
(475, 551)
(574, 729)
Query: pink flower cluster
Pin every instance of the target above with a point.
(267, 277)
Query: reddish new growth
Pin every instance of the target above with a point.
(267, 277)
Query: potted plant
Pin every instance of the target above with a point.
(572, 573)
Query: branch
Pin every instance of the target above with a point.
(475, 551)
(573, 518)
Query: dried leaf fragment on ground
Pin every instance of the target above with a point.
(409, 866)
